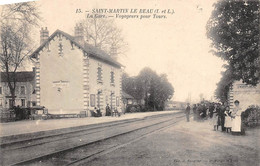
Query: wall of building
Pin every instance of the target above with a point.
(28, 96)
(66, 82)
(60, 77)
(105, 92)
(246, 94)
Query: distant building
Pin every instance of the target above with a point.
(246, 94)
(175, 105)
(25, 95)
(128, 99)
(73, 76)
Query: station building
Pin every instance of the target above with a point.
(73, 76)
(247, 95)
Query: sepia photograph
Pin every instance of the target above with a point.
(130, 82)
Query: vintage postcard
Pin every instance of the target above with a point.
(130, 82)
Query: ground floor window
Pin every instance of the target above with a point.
(11, 103)
(22, 102)
(117, 101)
(33, 103)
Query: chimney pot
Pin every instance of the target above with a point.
(78, 34)
(44, 35)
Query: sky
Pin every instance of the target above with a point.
(177, 45)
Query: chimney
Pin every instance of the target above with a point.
(113, 52)
(44, 35)
(79, 34)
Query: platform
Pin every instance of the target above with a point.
(32, 126)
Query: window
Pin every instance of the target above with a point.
(117, 101)
(1, 102)
(92, 100)
(99, 76)
(22, 102)
(0, 90)
(112, 77)
(11, 103)
(22, 90)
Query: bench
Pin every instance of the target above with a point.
(115, 112)
(228, 129)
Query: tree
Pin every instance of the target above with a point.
(234, 30)
(154, 89)
(163, 91)
(104, 34)
(223, 85)
(130, 86)
(147, 79)
(16, 21)
(26, 12)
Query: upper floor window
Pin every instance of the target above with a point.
(112, 77)
(1, 90)
(92, 100)
(99, 74)
(22, 90)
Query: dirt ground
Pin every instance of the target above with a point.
(188, 143)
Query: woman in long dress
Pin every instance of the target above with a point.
(215, 117)
(236, 119)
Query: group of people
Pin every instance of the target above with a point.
(220, 115)
(109, 112)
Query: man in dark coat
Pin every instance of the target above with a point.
(204, 110)
(194, 109)
(199, 110)
(187, 112)
(211, 109)
(108, 110)
(222, 116)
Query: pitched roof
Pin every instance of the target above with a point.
(91, 50)
(25, 76)
(126, 95)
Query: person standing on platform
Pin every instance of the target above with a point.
(236, 119)
(215, 121)
(203, 111)
(228, 120)
(222, 116)
(199, 110)
(211, 109)
(187, 112)
(194, 109)
(108, 110)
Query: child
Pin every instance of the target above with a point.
(228, 119)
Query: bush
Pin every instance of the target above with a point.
(251, 116)
(7, 115)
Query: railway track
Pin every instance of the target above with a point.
(9, 144)
(77, 146)
(83, 160)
